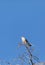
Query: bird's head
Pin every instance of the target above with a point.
(23, 39)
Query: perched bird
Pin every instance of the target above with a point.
(25, 41)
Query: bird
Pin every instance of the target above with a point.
(25, 41)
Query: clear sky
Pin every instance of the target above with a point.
(22, 18)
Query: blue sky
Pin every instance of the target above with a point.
(22, 18)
